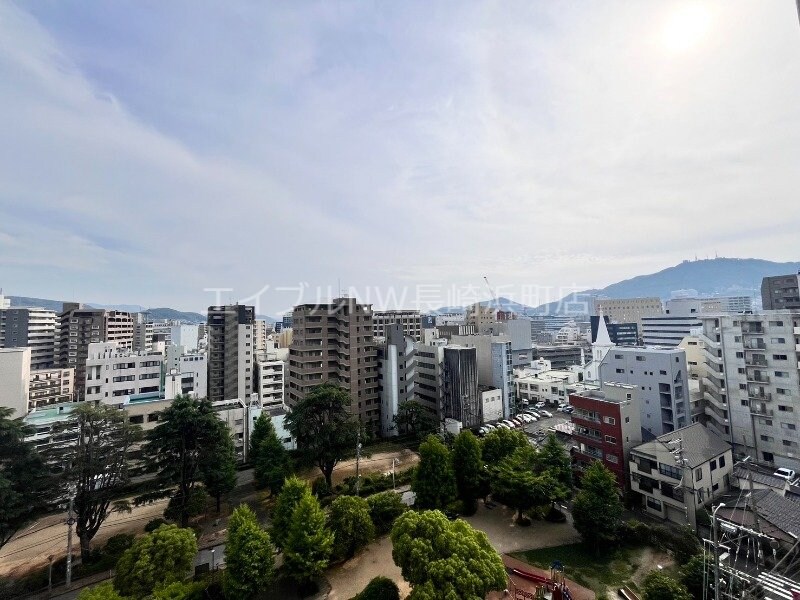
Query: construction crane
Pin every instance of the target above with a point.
(491, 291)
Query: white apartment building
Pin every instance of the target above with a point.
(4, 302)
(752, 380)
(189, 375)
(668, 330)
(51, 386)
(15, 371)
(34, 328)
(397, 373)
(492, 403)
(162, 330)
(550, 387)
(429, 359)
(449, 319)
(114, 374)
(185, 335)
(409, 320)
(269, 381)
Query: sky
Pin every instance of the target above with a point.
(282, 151)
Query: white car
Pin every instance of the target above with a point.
(539, 405)
(527, 418)
(509, 424)
(784, 473)
(546, 413)
(503, 426)
(533, 413)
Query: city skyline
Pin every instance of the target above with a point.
(177, 149)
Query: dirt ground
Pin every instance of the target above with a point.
(377, 463)
(649, 560)
(349, 578)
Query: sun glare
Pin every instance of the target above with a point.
(685, 28)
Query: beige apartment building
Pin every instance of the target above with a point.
(334, 343)
(629, 310)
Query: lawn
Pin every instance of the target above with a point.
(598, 572)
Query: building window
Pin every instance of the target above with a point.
(612, 458)
(698, 474)
(721, 461)
(714, 465)
(654, 504)
(609, 420)
(611, 439)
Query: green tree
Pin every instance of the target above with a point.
(444, 559)
(156, 559)
(249, 556)
(597, 507)
(384, 508)
(188, 430)
(434, 481)
(271, 464)
(218, 464)
(554, 459)
(467, 465)
(180, 591)
(413, 419)
(693, 572)
(659, 586)
(379, 588)
(293, 491)
(323, 427)
(25, 482)
(516, 484)
(501, 443)
(95, 463)
(351, 525)
(103, 591)
(309, 543)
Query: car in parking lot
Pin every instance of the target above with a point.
(546, 413)
(533, 413)
(539, 405)
(503, 426)
(568, 410)
(784, 473)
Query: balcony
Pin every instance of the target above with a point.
(757, 378)
(755, 361)
(761, 411)
(755, 345)
(759, 396)
(754, 329)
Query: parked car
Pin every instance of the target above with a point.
(483, 431)
(533, 413)
(784, 473)
(568, 410)
(503, 426)
(539, 405)
(547, 413)
(510, 424)
(527, 418)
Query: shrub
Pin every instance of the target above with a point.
(320, 488)
(154, 524)
(384, 508)
(380, 588)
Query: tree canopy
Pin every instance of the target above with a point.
(218, 463)
(249, 556)
(660, 586)
(413, 419)
(597, 508)
(444, 559)
(467, 465)
(309, 542)
(384, 508)
(25, 483)
(434, 481)
(156, 559)
(554, 458)
(501, 443)
(379, 588)
(352, 527)
(518, 486)
(270, 460)
(323, 427)
(294, 490)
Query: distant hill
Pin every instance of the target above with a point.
(156, 314)
(712, 277)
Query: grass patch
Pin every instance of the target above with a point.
(612, 568)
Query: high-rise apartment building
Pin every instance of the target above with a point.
(80, 326)
(185, 335)
(142, 332)
(428, 389)
(269, 381)
(460, 398)
(397, 368)
(231, 352)
(334, 343)
(629, 310)
(409, 320)
(34, 328)
(752, 383)
(781, 292)
(261, 330)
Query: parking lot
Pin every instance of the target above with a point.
(538, 430)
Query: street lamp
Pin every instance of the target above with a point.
(394, 462)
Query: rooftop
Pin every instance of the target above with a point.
(699, 444)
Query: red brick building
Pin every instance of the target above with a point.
(607, 426)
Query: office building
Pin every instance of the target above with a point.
(114, 373)
(460, 399)
(629, 310)
(607, 425)
(492, 401)
(737, 304)
(429, 357)
(185, 335)
(781, 292)
(142, 332)
(333, 343)
(186, 373)
(409, 320)
(518, 331)
(752, 380)
(621, 334)
(34, 328)
(679, 472)
(80, 326)
(397, 373)
(230, 352)
(480, 316)
(162, 331)
(15, 373)
(668, 330)
(494, 357)
(551, 387)
(50, 386)
(560, 357)
(287, 320)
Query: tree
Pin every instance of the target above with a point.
(693, 573)
(324, 430)
(351, 525)
(444, 559)
(379, 588)
(155, 560)
(95, 454)
(597, 507)
(515, 482)
(187, 431)
(103, 591)
(218, 463)
(293, 491)
(554, 459)
(180, 591)
(384, 508)
(467, 465)
(25, 482)
(309, 542)
(249, 556)
(271, 464)
(413, 419)
(434, 482)
(501, 443)
(659, 586)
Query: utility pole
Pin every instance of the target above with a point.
(358, 460)
(716, 549)
(70, 522)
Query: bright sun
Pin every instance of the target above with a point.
(685, 27)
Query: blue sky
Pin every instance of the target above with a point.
(152, 150)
